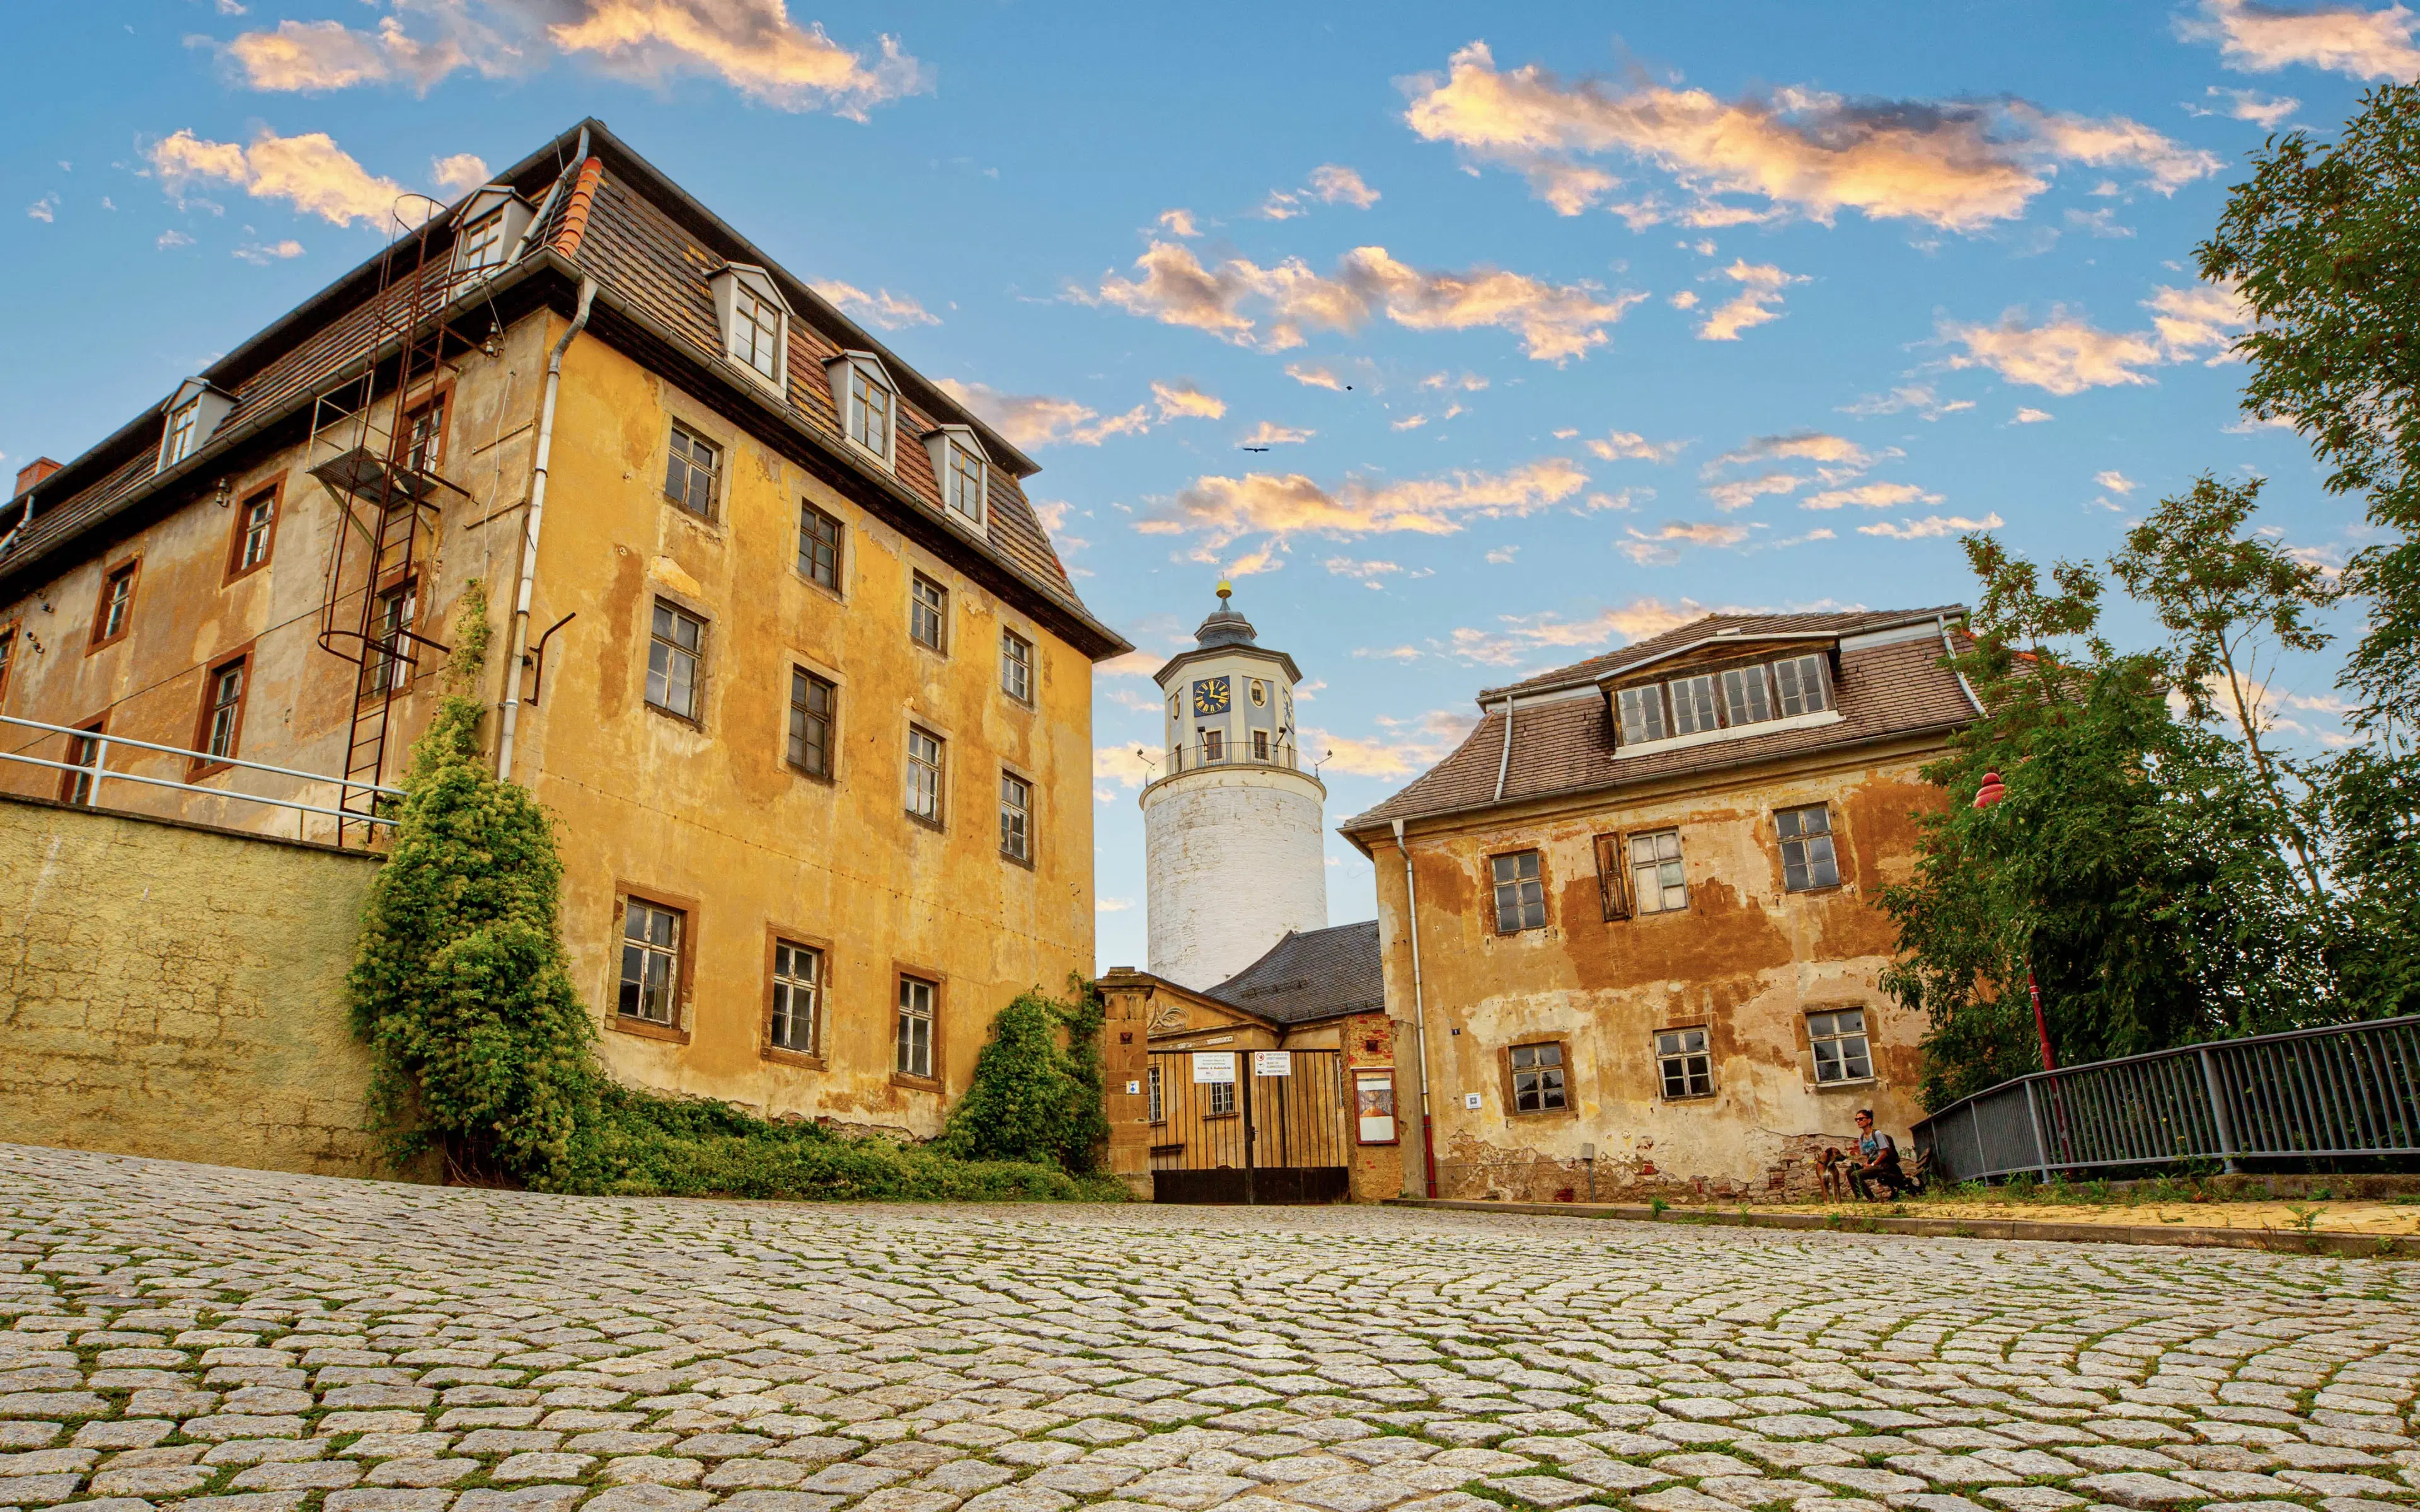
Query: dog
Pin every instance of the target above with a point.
(1831, 1175)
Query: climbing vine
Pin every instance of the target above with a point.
(481, 1049)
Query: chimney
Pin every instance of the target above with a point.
(32, 474)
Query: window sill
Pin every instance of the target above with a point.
(1025, 861)
(778, 386)
(1789, 891)
(1731, 731)
(808, 774)
(800, 1059)
(929, 649)
(819, 586)
(1379, 1144)
(691, 720)
(240, 574)
(1694, 1097)
(936, 825)
(1542, 1113)
(705, 522)
(198, 770)
(646, 1029)
(915, 1083)
(105, 645)
(1853, 1084)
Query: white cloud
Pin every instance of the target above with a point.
(2254, 37)
(2100, 222)
(1407, 746)
(261, 255)
(1042, 420)
(881, 308)
(1871, 496)
(2028, 415)
(461, 171)
(1758, 300)
(2116, 481)
(1656, 549)
(1502, 556)
(1269, 434)
(1957, 165)
(1409, 422)
(1332, 183)
(1111, 905)
(1555, 323)
(44, 209)
(1742, 492)
(171, 240)
(1521, 637)
(2247, 106)
(1223, 510)
(1629, 446)
(1178, 223)
(1932, 525)
(1369, 574)
(1917, 397)
(308, 172)
(1468, 383)
(2068, 354)
(1317, 375)
(1184, 399)
(752, 45)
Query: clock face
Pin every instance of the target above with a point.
(1211, 695)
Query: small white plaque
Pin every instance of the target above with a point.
(1470, 1100)
(1272, 1062)
(1134, 1088)
(1214, 1065)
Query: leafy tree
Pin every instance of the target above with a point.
(479, 1041)
(1031, 1099)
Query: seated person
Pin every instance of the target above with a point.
(1877, 1162)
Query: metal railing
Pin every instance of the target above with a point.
(88, 775)
(2344, 1092)
(1194, 757)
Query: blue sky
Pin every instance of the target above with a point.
(1644, 309)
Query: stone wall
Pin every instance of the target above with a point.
(174, 991)
(1233, 860)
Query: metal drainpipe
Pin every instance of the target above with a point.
(1420, 1011)
(529, 535)
(1952, 651)
(1504, 763)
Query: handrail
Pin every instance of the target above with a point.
(98, 771)
(2327, 1093)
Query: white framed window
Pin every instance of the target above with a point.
(1157, 1096)
(481, 245)
(1015, 817)
(391, 663)
(923, 795)
(493, 222)
(191, 414)
(1842, 1053)
(1693, 705)
(1747, 699)
(1017, 665)
(1807, 861)
(260, 516)
(676, 650)
(755, 322)
(651, 963)
(1520, 892)
(928, 613)
(1802, 685)
(867, 404)
(967, 485)
(1656, 883)
(797, 989)
(1683, 1064)
(914, 1044)
(691, 467)
(1641, 712)
(1220, 1102)
(227, 709)
(184, 425)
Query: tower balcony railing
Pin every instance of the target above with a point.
(1214, 749)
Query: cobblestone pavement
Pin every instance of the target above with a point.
(245, 1342)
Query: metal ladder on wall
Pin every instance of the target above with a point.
(383, 482)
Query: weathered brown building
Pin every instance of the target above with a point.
(1629, 926)
(778, 635)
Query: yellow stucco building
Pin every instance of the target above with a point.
(778, 635)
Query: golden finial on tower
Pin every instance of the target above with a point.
(1226, 590)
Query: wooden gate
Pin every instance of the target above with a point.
(1253, 1126)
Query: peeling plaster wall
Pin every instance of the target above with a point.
(179, 993)
(1233, 858)
(1745, 959)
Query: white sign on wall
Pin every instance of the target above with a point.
(1214, 1065)
(1470, 1100)
(1272, 1062)
(1134, 1088)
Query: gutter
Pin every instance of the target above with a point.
(529, 529)
(1420, 1011)
(1504, 763)
(1951, 652)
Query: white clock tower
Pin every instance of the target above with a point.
(1232, 829)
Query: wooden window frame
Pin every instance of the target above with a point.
(839, 550)
(939, 646)
(1008, 775)
(939, 818)
(1008, 637)
(775, 328)
(901, 972)
(1655, 1053)
(1496, 914)
(714, 474)
(236, 570)
(775, 937)
(830, 774)
(1865, 1012)
(888, 453)
(69, 779)
(440, 395)
(1831, 837)
(205, 765)
(678, 1031)
(1612, 852)
(695, 718)
(403, 667)
(1629, 888)
(1564, 1063)
(130, 567)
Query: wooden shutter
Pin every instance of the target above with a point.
(1609, 877)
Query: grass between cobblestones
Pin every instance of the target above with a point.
(233, 1341)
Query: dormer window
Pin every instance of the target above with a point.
(963, 473)
(868, 403)
(493, 222)
(193, 412)
(1707, 706)
(755, 322)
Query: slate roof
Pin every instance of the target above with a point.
(651, 249)
(1317, 974)
(1566, 745)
